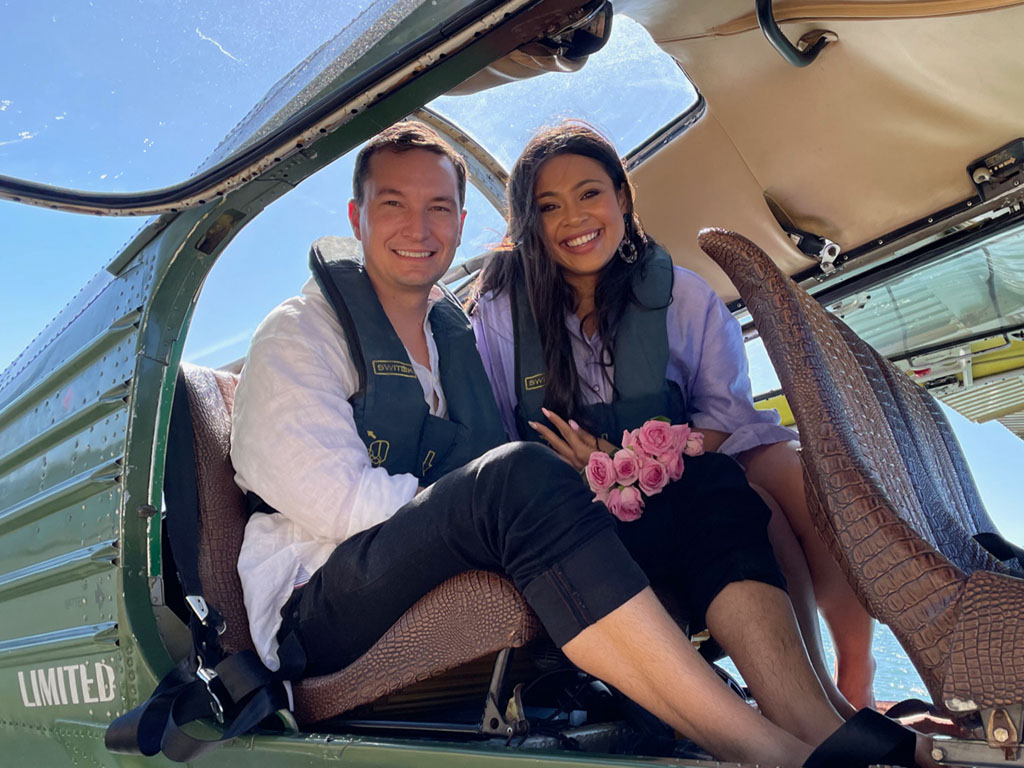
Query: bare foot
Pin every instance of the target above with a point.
(855, 681)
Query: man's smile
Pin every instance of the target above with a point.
(413, 254)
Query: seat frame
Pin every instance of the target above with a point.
(472, 615)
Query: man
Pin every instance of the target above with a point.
(358, 406)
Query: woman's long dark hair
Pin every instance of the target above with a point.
(551, 296)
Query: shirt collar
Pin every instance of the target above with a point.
(436, 294)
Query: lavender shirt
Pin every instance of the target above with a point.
(706, 360)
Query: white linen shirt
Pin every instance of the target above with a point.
(294, 442)
(706, 360)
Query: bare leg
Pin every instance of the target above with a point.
(801, 595)
(755, 625)
(639, 649)
(777, 469)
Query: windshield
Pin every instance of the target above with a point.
(117, 96)
(627, 90)
(156, 95)
(222, 327)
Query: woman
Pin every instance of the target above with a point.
(582, 271)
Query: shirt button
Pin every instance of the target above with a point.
(596, 389)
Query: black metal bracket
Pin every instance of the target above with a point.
(999, 171)
(510, 721)
(585, 36)
(788, 51)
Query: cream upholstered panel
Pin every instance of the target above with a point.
(726, 17)
(878, 131)
(700, 181)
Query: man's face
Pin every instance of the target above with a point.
(410, 220)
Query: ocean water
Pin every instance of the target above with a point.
(895, 677)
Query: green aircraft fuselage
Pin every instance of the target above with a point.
(84, 414)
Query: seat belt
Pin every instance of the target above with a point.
(236, 690)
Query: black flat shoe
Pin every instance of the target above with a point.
(910, 708)
(867, 738)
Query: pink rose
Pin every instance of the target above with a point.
(655, 437)
(673, 463)
(680, 432)
(602, 496)
(630, 505)
(613, 501)
(627, 466)
(600, 471)
(694, 444)
(653, 477)
(629, 438)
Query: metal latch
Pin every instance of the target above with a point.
(198, 606)
(817, 247)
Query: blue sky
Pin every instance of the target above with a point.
(139, 92)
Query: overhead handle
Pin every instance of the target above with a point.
(788, 51)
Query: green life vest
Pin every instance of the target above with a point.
(641, 358)
(389, 410)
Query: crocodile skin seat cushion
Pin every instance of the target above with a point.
(890, 493)
(469, 616)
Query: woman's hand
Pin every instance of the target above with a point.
(572, 443)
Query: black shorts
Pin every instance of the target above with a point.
(701, 533)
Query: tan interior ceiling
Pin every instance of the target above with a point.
(873, 135)
(700, 18)
(705, 183)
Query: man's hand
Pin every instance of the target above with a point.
(573, 443)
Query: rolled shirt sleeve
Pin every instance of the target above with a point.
(708, 361)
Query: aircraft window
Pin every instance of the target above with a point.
(164, 82)
(268, 261)
(628, 90)
(977, 289)
(763, 378)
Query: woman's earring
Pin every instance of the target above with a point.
(627, 249)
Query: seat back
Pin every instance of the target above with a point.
(222, 511)
(471, 615)
(886, 482)
(932, 457)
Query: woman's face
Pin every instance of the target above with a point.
(580, 212)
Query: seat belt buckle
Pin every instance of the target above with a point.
(208, 675)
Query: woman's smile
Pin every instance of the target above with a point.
(583, 243)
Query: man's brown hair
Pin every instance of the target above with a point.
(402, 137)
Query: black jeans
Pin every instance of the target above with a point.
(517, 510)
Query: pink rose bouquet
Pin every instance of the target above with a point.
(650, 458)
